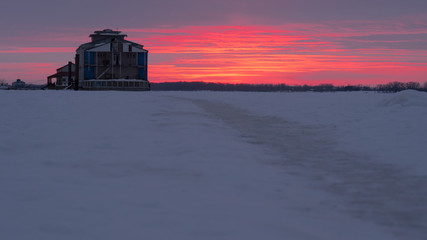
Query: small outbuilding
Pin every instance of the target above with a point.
(64, 77)
(18, 84)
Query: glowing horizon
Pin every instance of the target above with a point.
(356, 53)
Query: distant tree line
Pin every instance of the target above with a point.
(200, 86)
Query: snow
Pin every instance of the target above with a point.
(212, 165)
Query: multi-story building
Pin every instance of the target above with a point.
(110, 61)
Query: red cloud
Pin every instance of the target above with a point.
(338, 53)
(286, 54)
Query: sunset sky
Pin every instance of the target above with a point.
(235, 41)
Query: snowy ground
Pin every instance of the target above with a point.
(212, 165)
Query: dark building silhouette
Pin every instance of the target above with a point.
(107, 62)
(64, 76)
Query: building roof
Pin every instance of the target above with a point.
(18, 82)
(107, 33)
(106, 36)
(66, 66)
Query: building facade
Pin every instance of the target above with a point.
(110, 62)
(18, 84)
(64, 77)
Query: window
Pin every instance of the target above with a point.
(89, 72)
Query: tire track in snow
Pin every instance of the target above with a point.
(369, 190)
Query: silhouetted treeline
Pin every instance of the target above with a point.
(200, 86)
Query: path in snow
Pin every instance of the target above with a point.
(371, 191)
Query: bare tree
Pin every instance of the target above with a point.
(413, 85)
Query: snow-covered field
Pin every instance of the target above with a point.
(212, 165)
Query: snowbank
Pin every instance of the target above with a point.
(407, 98)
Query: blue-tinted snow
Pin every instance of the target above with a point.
(212, 165)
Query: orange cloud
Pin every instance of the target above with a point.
(339, 53)
(284, 54)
